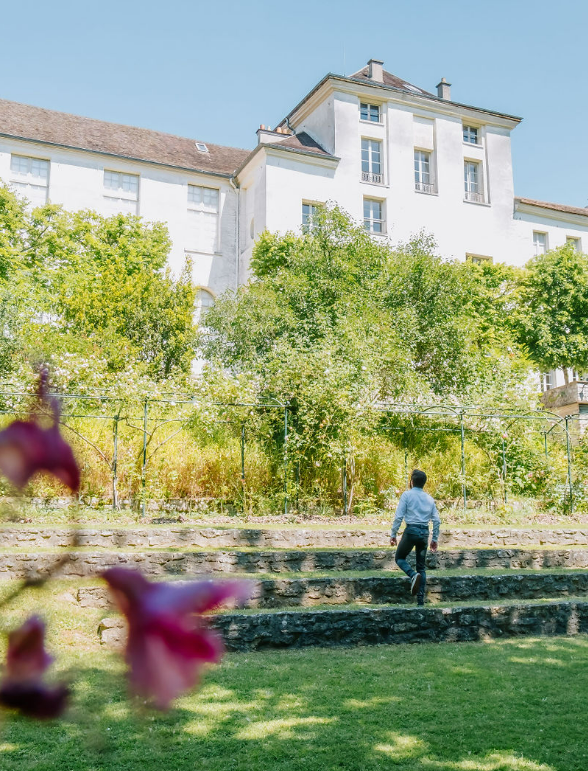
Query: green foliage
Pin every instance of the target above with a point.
(93, 288)
(552, 313)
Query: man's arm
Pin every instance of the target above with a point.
(436, 525)
(399, 516)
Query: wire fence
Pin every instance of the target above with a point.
(151, 423)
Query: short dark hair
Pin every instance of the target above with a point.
(418, 478)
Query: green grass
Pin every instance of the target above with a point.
(512, 705)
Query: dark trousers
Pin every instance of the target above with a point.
(414, 537)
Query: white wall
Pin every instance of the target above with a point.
(76, 182)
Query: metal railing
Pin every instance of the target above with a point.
(375, 179)
(424, 187)
(471, 195)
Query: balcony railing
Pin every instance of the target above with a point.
(476, 197)
(424, 187)
(375, 179)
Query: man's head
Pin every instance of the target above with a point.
(418, 478)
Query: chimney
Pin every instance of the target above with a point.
(444, 90)
(376, 70)
(267, 135)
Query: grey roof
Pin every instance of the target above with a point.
(62, 129)
(390, 80)
(302, 141)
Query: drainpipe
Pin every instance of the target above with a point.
(238, 239)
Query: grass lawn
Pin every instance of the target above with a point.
(512, 705)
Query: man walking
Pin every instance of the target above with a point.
(416, 508)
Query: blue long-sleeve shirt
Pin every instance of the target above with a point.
(416, 507)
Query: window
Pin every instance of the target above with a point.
(370, 112)
(539, 242)
(472, 182)
(373, 219)
(203, 208)
(201, 147)
(422, 172)
(30, 177)
(204, 301)
(122, 192)
(470, 135)
(479, 259)
(371, 161)
(547, 381)
(575, 242)
(309, 212)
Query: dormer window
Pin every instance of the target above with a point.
(471, 135)
(370, 112)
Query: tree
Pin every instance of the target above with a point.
(79, 284)
(552, 314)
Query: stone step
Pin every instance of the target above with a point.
(284, 538)
(378, 590)
(377, 626)
(186, 562)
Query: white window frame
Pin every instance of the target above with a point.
(544, 247)
(123, 194)
(203, 209)
(473, 188)
(424, 179)
(26, 180)
(307, 216)
(371, 223)
(577, 242)
(370, 106)
(467, 128)
(203, 292)
(372, 170)
(547, 381)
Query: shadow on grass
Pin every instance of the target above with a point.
(516, 705)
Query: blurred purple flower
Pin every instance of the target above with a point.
(168, 641)
(22, 686)
(26, 447)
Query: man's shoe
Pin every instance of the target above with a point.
(420, 602)
(415, 583)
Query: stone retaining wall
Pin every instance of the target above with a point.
(157, 563)
(374, 626)
(307, 592)
(210, 537)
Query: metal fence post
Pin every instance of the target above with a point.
(286, 459)
(463, 468)
(115, 464)
(344, 486)
(504, 471)
(143, 490)
(569, 454)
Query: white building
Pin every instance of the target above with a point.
(393, 155)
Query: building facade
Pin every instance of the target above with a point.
(395, 157)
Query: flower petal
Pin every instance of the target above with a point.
(35, 699)
(27, 659)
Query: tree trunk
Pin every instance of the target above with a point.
(566, 375)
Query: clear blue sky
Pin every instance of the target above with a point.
(215, 71)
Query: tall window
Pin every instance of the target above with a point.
(575, 242)
(309, 212)
(371, 161)
(204, 301)
(370, 112)
(121, 192)
(539, 242)
(471, 135)
(203, 207)
(422, 172)
(547, 381)
(472, 182)
(373, 219)
(30, 177)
